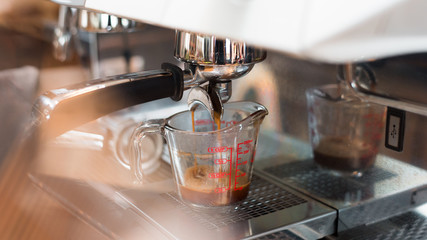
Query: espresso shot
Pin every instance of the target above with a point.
(201, 189)
(345, 130)
(344, 154)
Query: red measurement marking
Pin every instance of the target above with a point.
(218, 175)
(240, 163)
(246, 144)
(222, 161)
(203, 122)
(210, 122)
(242, 149)
(217, 149)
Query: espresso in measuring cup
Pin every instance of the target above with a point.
(223, 181)
(212, 161)
(201, 187)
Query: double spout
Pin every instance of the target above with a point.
(216, 61)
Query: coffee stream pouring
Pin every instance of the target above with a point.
(210, 65)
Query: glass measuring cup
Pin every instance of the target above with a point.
(345, 131)
(212, 168)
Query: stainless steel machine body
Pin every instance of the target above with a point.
(292, 198)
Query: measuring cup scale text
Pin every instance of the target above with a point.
(211, 167)
(228, 161)
(219, 177)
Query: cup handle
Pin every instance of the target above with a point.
(155, 126)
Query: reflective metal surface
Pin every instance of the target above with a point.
(105, 23)
(223, 88)
(218, 59)
(370, 93)
(208, 99)
(278, 82)
(382, 192)
(282, 235)
(64, 32)
(409, 225)
(208, 50)
(71, 21)
(99, 206)
(268, 208)
(53, 110)
(295, 28)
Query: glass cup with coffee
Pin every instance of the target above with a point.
(211, 164)
(345, 131)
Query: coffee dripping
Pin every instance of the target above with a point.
(201, 187)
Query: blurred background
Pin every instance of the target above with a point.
(28, 68)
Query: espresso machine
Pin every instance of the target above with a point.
(376, 49)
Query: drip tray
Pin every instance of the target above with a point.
(268, 208)
(410, 225)
(407, 226)
(263, 199)
(156, 209)
(389, 188)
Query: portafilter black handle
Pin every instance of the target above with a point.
(60, 110)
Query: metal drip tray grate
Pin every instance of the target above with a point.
(410, 225)
(263, 198)
(382, 192)
(307, 175)
(155, 208)
(281, 235)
